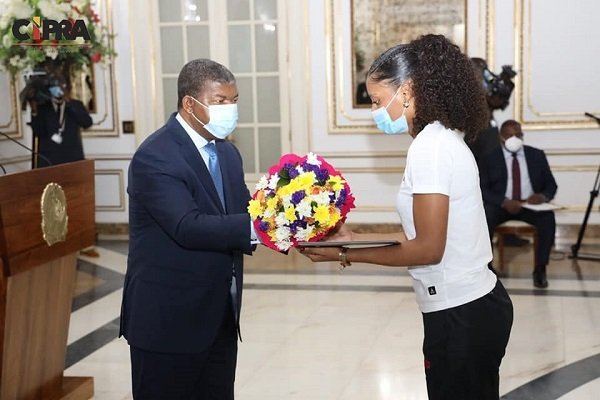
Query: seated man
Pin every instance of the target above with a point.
(513, 175)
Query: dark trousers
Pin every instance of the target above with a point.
(544, 223)
(205, 376)
(464, 345)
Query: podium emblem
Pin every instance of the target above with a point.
(55, 220)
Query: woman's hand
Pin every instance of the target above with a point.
(340, 233)
(318, 254)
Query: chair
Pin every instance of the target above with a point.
(516, 228)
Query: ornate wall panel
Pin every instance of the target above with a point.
(556, 56)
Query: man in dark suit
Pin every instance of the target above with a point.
(56, 124)
(511, 176)
(189, 229)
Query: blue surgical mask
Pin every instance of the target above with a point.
(384, 121)
(56, 91)
(222, 119)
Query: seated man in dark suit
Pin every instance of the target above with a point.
(511, 176)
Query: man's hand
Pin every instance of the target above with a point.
(512, 206)
(537, 198)
(33, 105)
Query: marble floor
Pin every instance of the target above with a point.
(312, 332)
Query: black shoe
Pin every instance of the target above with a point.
(515, 241)
(539, 279)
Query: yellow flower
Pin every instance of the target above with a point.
(290, 213)
(322, 214)
(336, 182)
(334, 217)
(306, 180)
(272, 204)
(255, 209)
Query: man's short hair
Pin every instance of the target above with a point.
(195, 74)
(509, 123)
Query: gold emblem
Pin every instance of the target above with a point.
(54, 214)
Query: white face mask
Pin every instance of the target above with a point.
(513, 144)
(222, 119)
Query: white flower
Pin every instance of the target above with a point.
(15, 61)
(51, 52)
(263, 182)
(282, 233)
(302, 234)
(19, 9)
(304, 208)
(311, 158)
(52, 10)
(283, 245)
(7, 41)
(280, 220)
(273, 181)
(269, 213)
(286, 201)
(4, 21)
(299, 169)
(322, 198)
(80, 4)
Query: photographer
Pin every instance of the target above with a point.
(56, 122)
(498, 89)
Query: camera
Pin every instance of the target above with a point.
(497, 88)
(37, 88)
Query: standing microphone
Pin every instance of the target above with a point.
(587, 114)
(35, 153)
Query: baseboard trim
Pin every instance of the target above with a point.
(562, 230)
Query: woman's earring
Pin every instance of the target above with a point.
(406, 104)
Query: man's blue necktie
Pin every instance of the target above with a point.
(215, 170)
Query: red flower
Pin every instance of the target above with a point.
(96, 57)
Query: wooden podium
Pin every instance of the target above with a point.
(37, 279)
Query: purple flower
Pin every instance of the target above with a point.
(322, 175)
(293, 173)
(263, 226)
(297, 224)
(341, 198)
(297, 197)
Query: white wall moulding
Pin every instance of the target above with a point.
(548, 59)
(104, 110)
(110, 200)
(10, 114)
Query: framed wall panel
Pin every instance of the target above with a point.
(557, 81)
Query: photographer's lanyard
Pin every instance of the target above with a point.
(61, 116)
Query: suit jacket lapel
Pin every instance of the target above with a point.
(194, 159)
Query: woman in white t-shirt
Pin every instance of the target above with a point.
(428, 89)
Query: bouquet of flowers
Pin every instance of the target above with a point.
(301, 199)
(17, 56)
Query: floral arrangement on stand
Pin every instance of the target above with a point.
(301, 199)
(25, 56)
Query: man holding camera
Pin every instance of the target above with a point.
(56, 122)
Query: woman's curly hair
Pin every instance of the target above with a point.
(443, 82)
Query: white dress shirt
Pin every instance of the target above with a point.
(526, 188)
